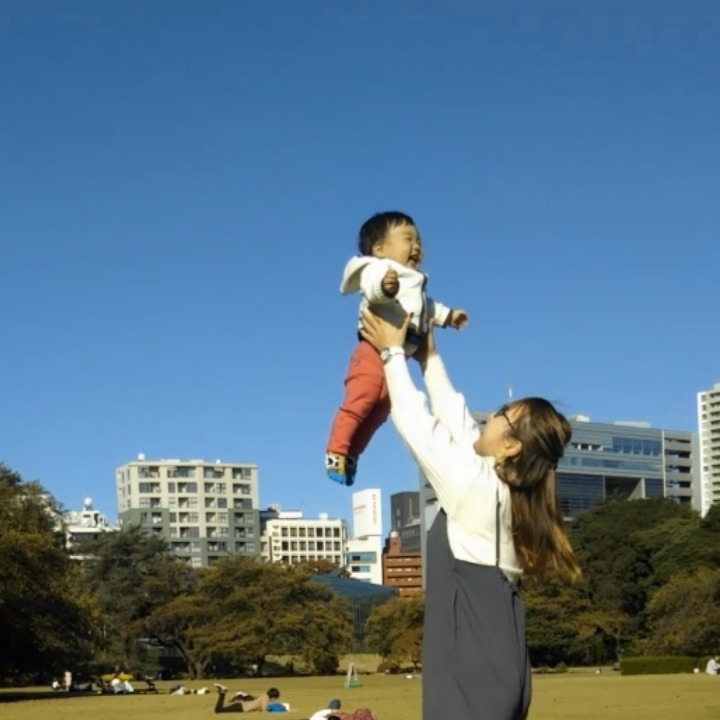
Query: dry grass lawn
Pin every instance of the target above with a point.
(578, 695)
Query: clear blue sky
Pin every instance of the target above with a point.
(182, 183)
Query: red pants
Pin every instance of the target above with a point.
(366, 405)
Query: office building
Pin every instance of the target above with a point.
(708, 410)
(204, 510)
(288, 537)
(363, 556)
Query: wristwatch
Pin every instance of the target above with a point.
(387, 352)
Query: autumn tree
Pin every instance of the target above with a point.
(394, 628)
(47, 621)
(684, 614)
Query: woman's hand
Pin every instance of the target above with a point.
(380, 333)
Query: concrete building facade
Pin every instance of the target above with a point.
(363, 555)
(402, 569)
(84, 527)
(204, 510)
(708, 410)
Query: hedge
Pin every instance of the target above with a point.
(658, 665)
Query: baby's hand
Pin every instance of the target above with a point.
(390, 284)
(459, 319)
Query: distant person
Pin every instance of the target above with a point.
(237, 705)
(120, 686)
(713, 666)
(387, 275)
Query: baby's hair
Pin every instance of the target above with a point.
(376, 228)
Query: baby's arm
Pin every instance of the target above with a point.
(444, 316)
(379, 282)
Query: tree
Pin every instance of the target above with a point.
(252, 610)
(684, 614)
(407, 647)
(613, 544)
(134, 579)
(390, 622)
(47, 621)
(562, 624)
(324, 567)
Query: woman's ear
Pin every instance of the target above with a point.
(512, 447)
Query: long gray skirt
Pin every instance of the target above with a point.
(475, 660)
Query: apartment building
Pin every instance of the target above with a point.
(288, 537)
(204, 510)
(708, 409)
(402, 569)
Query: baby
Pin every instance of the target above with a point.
(388, 277)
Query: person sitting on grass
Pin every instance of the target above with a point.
(238, 705)
(333, 712)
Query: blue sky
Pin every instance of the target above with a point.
(182, 183)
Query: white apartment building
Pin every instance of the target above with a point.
(363, 556)
(709, 440)
(288, 537)
(84, 526)
(204, 510)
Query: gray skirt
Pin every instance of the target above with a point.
(475, 659)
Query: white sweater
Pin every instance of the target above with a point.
(442, 444)
(364, 274)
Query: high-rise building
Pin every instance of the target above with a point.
(405, 519)
(288, 537)
(709, 445)
(204, 510)
(364, 550)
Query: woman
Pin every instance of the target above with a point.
(500, 519)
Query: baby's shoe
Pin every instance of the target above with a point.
(340, 468)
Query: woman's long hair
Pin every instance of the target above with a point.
(539, 535)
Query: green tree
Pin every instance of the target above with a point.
(252, 610)
(615, 548)
(47, 622)
(390, 621)
(134, 578)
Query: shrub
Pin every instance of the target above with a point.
(657, 665)
(387, 667)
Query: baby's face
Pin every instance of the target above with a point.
(403, 245)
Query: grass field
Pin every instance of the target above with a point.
(579, 695)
